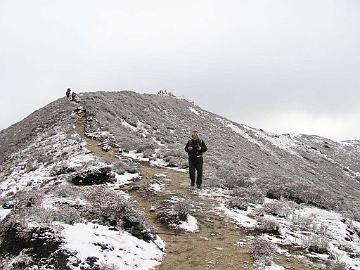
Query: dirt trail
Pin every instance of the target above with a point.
(213, 246)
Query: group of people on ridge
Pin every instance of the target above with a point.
(165, 93)
(70, 94)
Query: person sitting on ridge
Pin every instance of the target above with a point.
(73, 96)
(68, 91)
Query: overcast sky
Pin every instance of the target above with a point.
(282, 65)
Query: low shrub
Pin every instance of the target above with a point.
(317, 244)
(268, 226)
(173, 212)
(262, 252)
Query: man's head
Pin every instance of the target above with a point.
(195, 134)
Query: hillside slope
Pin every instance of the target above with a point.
(237, 152)
(90, 167)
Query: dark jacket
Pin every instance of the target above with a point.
(195, 154)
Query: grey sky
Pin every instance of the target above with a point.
(281, 65)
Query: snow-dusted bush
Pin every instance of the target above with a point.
(148, 153)
(182, 209)
(106, 266)
(18, 238)
(262, 252)
(28, 206)
(316, 243)
(230, 178)
(31, 198)
(174, 157)
(238, 203)
(296, 191)
(268, 226)
(243, 196)
(45, 216)
(61, 168)
(93, 176)
(121, 166)
(172, 212)
(22, 261)
(65, 191)
(334, 265)
(306, 223)
(278, 208)
(144, 147)
(111, 209)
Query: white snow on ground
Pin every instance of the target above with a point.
(136, 156)
(51, 202)
(126, 178)
(303, 224)
(156, 187)
(162, 164)
(80, 159)
(242, 133)
(4, 213)
(113, 248)
(23, 178)
(128, 126)
(160, 175)
(158, 163)
(177, 169)
(239, 217)
(100, 135)
(274, 266)
(20, 180)
(219, 193)
(193, 110)
(284, 142)
(190, 224)
(158, 142)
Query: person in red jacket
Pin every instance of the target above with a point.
(195, 149)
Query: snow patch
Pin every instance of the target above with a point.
(4, 213)
(119, 249)
(126, 178)
(239, 217)
(156, 187)
(135, 156)
(193, 110)
(190, 224)
(128, 126)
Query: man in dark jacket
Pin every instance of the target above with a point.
(195, 148)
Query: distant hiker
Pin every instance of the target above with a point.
(73, 96)
(195, 148)
(68, 91)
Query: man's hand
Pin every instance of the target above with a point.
(190, 148)
(199, 148)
